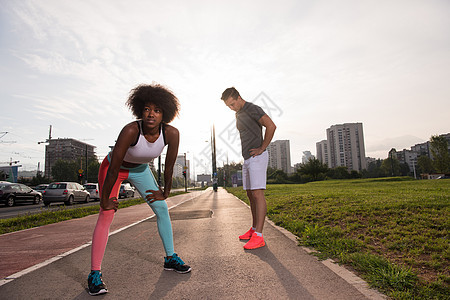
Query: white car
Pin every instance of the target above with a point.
(126, 190)
(93, 190)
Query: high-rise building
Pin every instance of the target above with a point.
(67, 150)
(280, 155)
(180, 165)
(307, 156)
(345, 145)
(322, 151)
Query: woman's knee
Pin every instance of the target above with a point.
(159, 207)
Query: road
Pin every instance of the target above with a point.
(21, 209)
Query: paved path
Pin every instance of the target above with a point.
(206, 226)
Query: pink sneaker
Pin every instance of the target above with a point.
(255, 242)
(247, 235)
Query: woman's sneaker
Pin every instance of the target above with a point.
(176, 264)
(96, 284)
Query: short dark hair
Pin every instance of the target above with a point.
(230, 92)
(157, 94)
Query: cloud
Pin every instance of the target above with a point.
(399, 143)
(381, 63)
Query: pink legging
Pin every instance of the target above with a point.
(142, 178)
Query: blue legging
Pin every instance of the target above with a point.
(142, 178)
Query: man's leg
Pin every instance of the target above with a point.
(259, 209)
(252, 207)
(246, 186)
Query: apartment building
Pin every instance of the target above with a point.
(307, 156)
(322, 152)
(280, 156)
(68, 150)
(344, 146)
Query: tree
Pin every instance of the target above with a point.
(391, 167)
(226, 172)
(338, 173)
(38, 179)
(404, 169)
(93, 167)
(355, 174)
(373, 169)
(280, 176)
(65, 170)
(439, 150)
(314, 168)
(425, 164)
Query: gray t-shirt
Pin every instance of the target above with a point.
(249, 128)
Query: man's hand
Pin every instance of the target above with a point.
(111, 203)
(256, 152)
(154, 195)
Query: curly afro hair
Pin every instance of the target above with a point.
(156, 94)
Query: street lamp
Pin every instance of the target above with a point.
(191, 167)
(184, 173)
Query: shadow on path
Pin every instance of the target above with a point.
(292, 286)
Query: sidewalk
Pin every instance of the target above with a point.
(205, 234)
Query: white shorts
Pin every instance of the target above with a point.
(254, 172)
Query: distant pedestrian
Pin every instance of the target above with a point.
(139, 143)
(250, 119)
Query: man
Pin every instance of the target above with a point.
(250, 119)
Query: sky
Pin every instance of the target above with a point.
(308, 64)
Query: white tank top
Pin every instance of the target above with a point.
(143, 151)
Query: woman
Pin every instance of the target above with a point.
(139, 143)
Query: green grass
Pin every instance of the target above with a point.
(62, 213)
(393, 231)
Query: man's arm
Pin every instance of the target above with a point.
(270, 126)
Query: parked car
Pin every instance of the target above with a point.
(41, 187)
(66, 192)
(126, 190)
(92, 188)
(11, 193)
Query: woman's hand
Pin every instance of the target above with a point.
(111, 203)
(154, 195)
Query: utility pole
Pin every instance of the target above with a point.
(86, 177)
(214, 166)
(47, 142)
